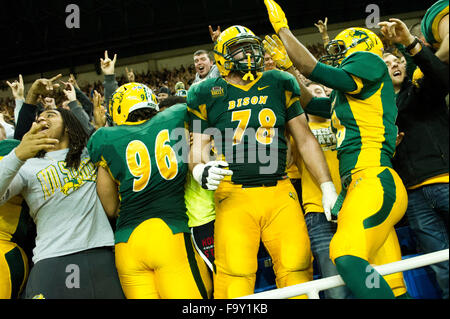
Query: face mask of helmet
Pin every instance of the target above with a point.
(245, 55)
(337, 50)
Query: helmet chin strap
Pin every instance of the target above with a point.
(249, 74)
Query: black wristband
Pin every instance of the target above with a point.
(205, 176)
(412, 45)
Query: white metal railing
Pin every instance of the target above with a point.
(312, 288)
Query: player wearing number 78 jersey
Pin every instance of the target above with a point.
(247, 112)
(141, 177)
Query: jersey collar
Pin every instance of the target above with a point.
(248, 86)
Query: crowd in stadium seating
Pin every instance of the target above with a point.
(410, 90)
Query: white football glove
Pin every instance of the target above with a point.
(329, 197)
(210, 175)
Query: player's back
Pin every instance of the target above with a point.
(146, 160)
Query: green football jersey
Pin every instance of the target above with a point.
(248, 123)
(430, 22)
(149, 163)
(364, 120)
(14, 217)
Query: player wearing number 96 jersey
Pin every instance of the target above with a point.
(247, 113)
(141, 177)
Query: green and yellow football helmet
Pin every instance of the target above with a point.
(128, 98)
(239, 49)
(349, 41)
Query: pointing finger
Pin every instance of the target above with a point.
(55, 78)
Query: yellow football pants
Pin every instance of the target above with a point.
(13, 270)
(376, 200)
(155, 264)
(388, 253)
(244, 217)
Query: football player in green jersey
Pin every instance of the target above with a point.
(434, 25)
(247, 112)
(13, 259)
(363, 113)
(141, 179)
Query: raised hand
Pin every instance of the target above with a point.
(214, 34)
(107, 65)
(49, 103)
(323, 29)
(276, 15)
(42, 87)
(17, 88)
(69, 91)
(99, 111)
(35, 141)
(73, 81)
(322, 25)
(274, 46)
(130, 75)
(396, 31)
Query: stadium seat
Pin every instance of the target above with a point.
(421, 282)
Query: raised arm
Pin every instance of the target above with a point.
(277, 51)
(108, 69)
(27, 114)
(81, 97)
(302, 59)
(77, 110)
(323, 30)
(18, 92)
(435, 71)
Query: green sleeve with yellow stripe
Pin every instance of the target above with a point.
(196, 107)
(332, 77)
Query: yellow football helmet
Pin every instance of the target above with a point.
(349, 41)
(239, 49)
(128, 98)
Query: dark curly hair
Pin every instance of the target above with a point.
(77, 138)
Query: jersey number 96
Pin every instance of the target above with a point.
(139, 162)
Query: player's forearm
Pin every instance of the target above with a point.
(305, 96)
(200, 150)
(302, 59)
(314, 160)
(107, 192)
(309, 149)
